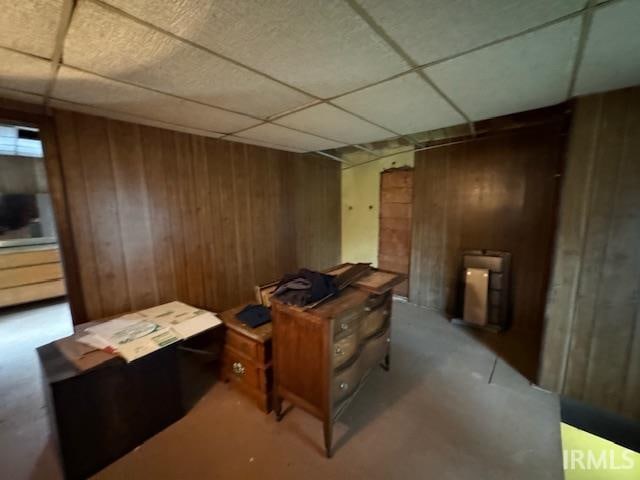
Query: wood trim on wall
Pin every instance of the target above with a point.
(497, 192)
(592, 338)
(147, 215)
(162, 215)
(25, 114)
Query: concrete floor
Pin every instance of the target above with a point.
(448, 409)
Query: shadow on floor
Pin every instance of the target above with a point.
(521, 350)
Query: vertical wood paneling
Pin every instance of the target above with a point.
(157, 215)
(591, 340)
(189, 216)
(243, 223)
(317, 205)
(429, 230)
(494, 193)
(79, 215)
(133, 213)
(570, 243)
(201, 194)
(179, 235)
(159, 212)
(106, 235)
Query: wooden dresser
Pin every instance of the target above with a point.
(323, 355)
(31, 273)
(246, 358)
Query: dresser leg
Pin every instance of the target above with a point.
(277, 407)
(386, 365)
(328, 437)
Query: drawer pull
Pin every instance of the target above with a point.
(344, 386)
(367, 309)
(344, 326)
(238, 368)
(388, 339)
(339, 350)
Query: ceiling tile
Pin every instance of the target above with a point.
(328, 121)
(125, 117)
(430, 30)
(526, 72)
(30, 26)
(612, 54)
(277, 135)
(260, 143)
(406, 105)
(23, 72)
(320, 46)
(144, 56)
(95, 91)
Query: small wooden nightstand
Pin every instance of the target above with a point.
(246, 359)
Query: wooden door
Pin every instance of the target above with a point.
(394, 249)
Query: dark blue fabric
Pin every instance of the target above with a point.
(320, 286)
(254, 315)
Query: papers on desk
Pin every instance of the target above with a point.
(137, 334)
(186, 320)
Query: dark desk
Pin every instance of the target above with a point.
(100, 414)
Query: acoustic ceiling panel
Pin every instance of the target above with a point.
(30, 26)
(320, 46)
(125, 117)
(23, 72)
(527, 72)
(144, 56)
(260, 143)
(88, 89)
(328, 121)
(612, 54)
(435, 29)
(406, 105)
(277, 135)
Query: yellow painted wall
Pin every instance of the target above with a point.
(360, 191)
(588, 457)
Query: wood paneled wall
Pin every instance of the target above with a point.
(157, 215)
(592, 340)
(317, 213)
(494, 193)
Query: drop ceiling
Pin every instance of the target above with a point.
(311, 75)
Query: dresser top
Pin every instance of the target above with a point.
(348, 298)
(260, 334)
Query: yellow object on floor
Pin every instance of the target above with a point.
(589, 457)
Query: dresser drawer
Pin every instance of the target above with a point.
(374, 321)
(344, 349)
(347, 323)
(376, 301)
(236, 367)
(373, 352)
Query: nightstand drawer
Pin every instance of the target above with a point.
(236, 367)
(244, 345)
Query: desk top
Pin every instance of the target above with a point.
(260, 334)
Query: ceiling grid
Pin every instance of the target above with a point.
(587, 18)
(412, 63)
(313, 75)
(66, 15)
